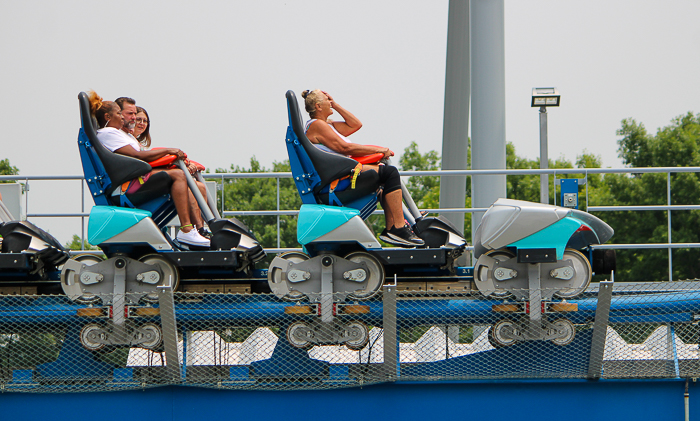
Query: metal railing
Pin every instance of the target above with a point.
(222, 177)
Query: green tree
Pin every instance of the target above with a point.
(424, 190)
(77, 244)
(7, 169)
(24, 349)
(677, 144)
(248, 194)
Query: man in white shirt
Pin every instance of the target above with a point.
(128, 106)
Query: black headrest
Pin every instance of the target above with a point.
(120, 168)
(329, 166)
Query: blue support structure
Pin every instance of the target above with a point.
(569, 191)
(576, 400)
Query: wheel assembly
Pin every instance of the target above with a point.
(277, 281)
(169, 274)
(581, 277)
(360, 335)
(295, 334)
(152, 336)
(501, 255)
(90, 336)
(503, 333)
(375, 275)
(89, 260)
(565, 331)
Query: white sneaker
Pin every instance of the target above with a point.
(192, 238)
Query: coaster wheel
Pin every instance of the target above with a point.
(170, 274)
(293, 340)
(89, 335)
(89, 260)
(582, 274)
(361, 340)
(496, 335)
(501, 255)
(566, 329)
(153, 334)
(375, 276)
(275, 275)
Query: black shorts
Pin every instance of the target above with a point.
(389, 178)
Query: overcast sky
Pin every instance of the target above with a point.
(213, 74)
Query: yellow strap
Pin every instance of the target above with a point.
(355, 173)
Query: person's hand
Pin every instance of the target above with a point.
(330, 98)
(191, 168)
(388, 153)
(177, 152)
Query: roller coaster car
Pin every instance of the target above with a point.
(28, 254)
(516, 237)
(342, 254)
(141, 256)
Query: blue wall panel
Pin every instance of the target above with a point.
(640, 400)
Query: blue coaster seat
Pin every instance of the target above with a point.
(106, 171)
(314, 170)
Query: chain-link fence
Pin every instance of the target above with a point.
(259, 342)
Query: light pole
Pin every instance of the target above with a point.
(543, 98)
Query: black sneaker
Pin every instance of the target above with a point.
(402, 237)
(204, 233)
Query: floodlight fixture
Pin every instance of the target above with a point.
(545, 97)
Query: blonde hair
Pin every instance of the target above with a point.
(311, 98)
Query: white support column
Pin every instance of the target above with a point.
(455, 132)
(488, 108)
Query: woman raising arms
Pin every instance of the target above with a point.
(331, 136)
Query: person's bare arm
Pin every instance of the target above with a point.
(321, 132)
(351, 123)
(151, 155)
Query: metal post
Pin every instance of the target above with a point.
(211, 201)
(391, 356)
(82, 210)
(223, 194)
(278, 215)
(670, 240)
(488, 106)
(166, 303)
(203, 206)
(544, 158)
(672, 350)
(600, 330)
(26, 200)
(535, 294)
(455, 137)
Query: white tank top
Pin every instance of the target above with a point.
(324, 147)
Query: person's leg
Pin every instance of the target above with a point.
(397, 231)
(179, 191)
(195, 211)
(393, 210)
